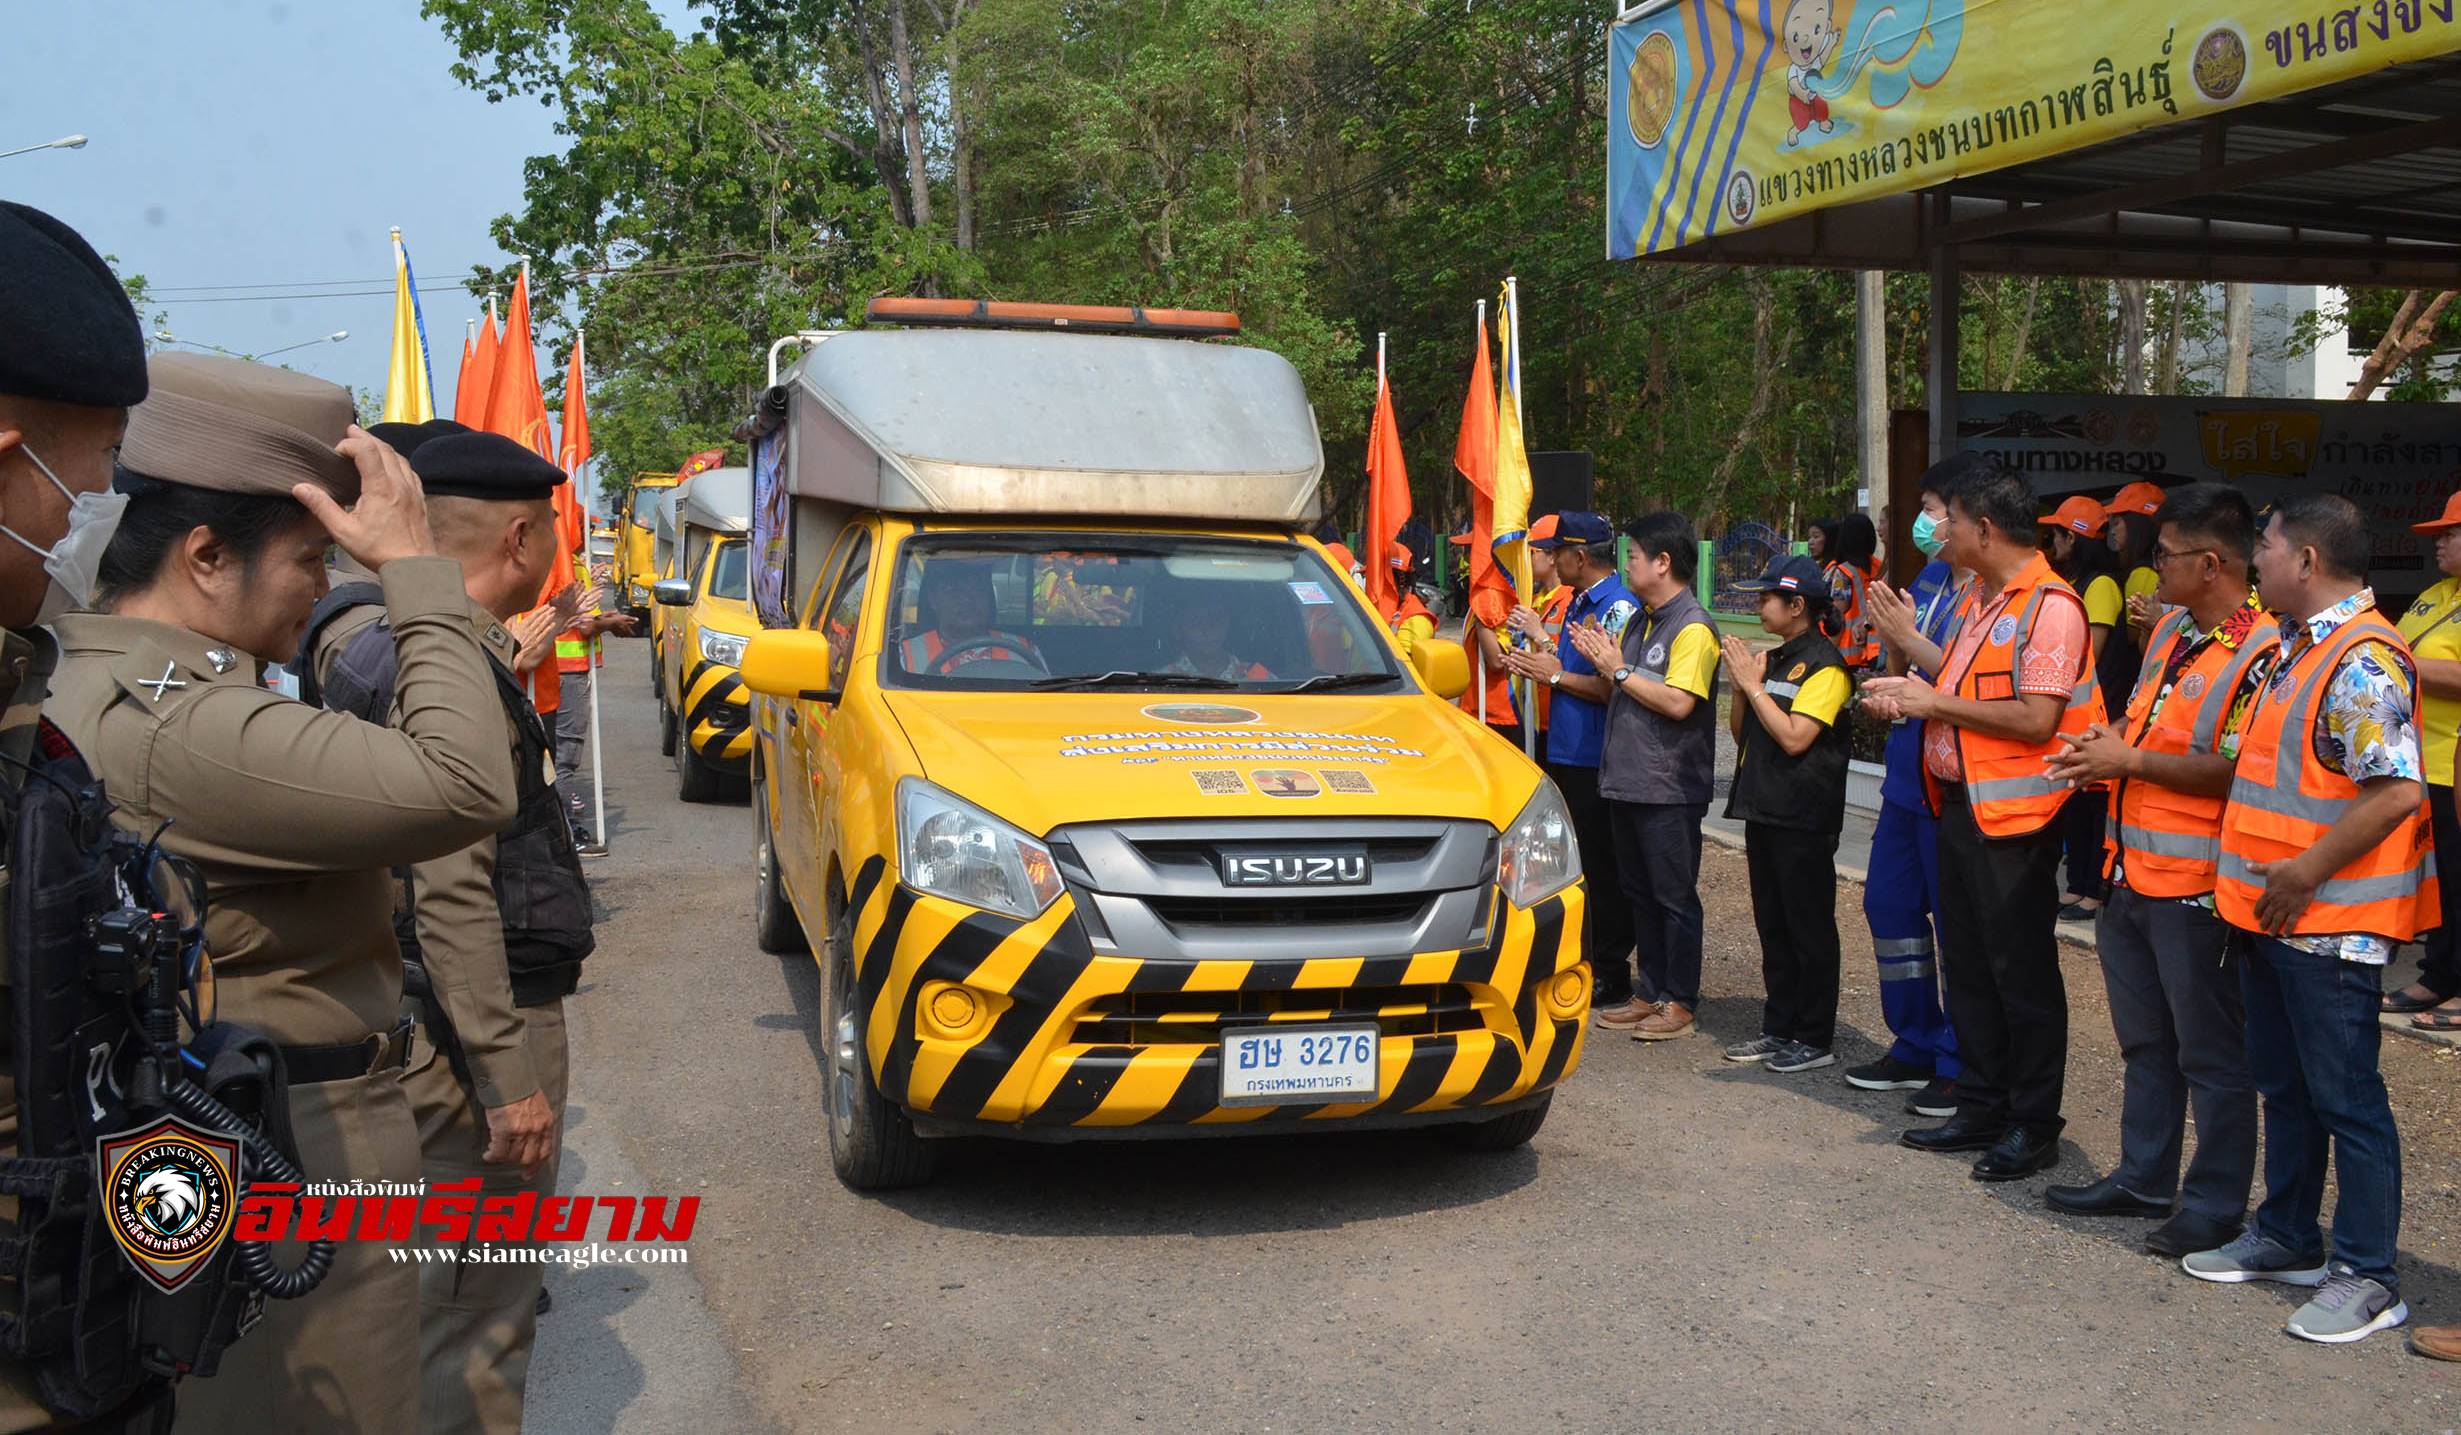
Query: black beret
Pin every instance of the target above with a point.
(67, 331)
(405, 439)
(482, 465)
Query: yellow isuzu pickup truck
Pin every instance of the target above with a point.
(1106, 804)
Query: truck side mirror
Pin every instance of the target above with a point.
(672, 593)
(787, 663)
(1443, 667)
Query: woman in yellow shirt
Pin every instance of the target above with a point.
(2131, 537)
(2433, 627)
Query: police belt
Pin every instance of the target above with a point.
(349, 1060)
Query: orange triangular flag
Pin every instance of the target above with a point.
(478, 368)
(1388, 501)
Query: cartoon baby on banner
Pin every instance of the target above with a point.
(1811, 41)
(1906, 47)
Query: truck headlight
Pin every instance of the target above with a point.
(1540, 856)
(951, 848)
(724, 649)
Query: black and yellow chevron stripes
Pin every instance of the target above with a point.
(717, 716)
(1040, 978)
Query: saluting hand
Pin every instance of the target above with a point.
(1749, 669)
(390, 519)
(1905, 697)
(2098, 754)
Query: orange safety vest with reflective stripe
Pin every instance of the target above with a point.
(1500, 713)
(921, 650)
(2005, 780)
(1860, 645)
(2284, 799)
(2168, 843)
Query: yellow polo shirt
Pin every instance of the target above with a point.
(2433, 628)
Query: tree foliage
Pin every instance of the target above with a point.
(1331, 171)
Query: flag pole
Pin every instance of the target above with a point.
(1512, 375)
(1470, 616)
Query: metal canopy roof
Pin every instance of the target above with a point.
(2354, 183)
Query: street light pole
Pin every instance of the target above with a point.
(335, 337)
(63, 142)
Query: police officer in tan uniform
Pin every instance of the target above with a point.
(236, 473)
(499, 927)
(72, 360)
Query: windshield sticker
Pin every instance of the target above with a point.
(1284, 782)
(1216, 744)
(1219, 782)
(1310, 593)
(1347, 780)
(1217, 713)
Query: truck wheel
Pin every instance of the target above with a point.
(666, 729)
(774, 923)
(1501, 1133)
(695, 780)
(872, 1143)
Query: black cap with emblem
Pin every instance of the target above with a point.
(67, 331)
(483, 465)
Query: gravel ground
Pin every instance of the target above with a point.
(1687, 1245)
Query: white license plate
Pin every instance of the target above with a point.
(1298, 1065)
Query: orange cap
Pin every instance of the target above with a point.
(2451, 518)
(2080, 515)
(1343, 558)
(2139, 497)
(1544, 528)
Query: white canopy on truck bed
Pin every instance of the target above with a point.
(719, 499)
(988, 421)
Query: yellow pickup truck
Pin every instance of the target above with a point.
(1106, 803)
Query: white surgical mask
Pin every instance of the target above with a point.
(76, 561)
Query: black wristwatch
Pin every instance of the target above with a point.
(1621, 674)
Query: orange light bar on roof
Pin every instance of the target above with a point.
(1086, 318)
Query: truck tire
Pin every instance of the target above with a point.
(1509, 1132)
(695, 780)
(774, 923)
(873, 1145)
(666, 729)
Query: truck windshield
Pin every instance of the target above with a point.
(1142, 612)
(645, 505)
(726, 574)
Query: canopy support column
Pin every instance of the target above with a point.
(1940, 377)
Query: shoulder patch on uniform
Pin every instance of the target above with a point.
(1797, 671)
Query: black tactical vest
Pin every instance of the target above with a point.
(98, 1339)
(1805, 793)
(539, 887)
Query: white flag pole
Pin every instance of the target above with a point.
(1478, 650)
(1512, 300)
(589, 568)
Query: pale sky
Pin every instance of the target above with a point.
(269, 143)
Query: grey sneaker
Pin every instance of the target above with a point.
(2253, 1257)
(2348, 1307)
(1759, 1048)
(1801, 1056)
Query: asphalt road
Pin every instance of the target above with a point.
(1686, 1246)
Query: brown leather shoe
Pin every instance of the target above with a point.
(2436, 1342)
(1623, 1016)
(1670, 1020)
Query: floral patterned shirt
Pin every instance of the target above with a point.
(2367, 728)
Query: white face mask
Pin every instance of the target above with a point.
(76, 561)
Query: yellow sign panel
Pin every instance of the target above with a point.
(1731, 115)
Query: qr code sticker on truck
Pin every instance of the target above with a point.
(1217, 783)
(1341, 779)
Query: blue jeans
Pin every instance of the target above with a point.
(2311, 1048)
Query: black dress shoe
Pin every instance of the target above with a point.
(1957, 1133)
(2019, 1154)
(546, 1302)
(2185, 1234)
(2106, 1197)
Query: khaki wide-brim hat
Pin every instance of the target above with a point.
(235, 426)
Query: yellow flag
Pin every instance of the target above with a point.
(409, 398)
(1512, 459)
